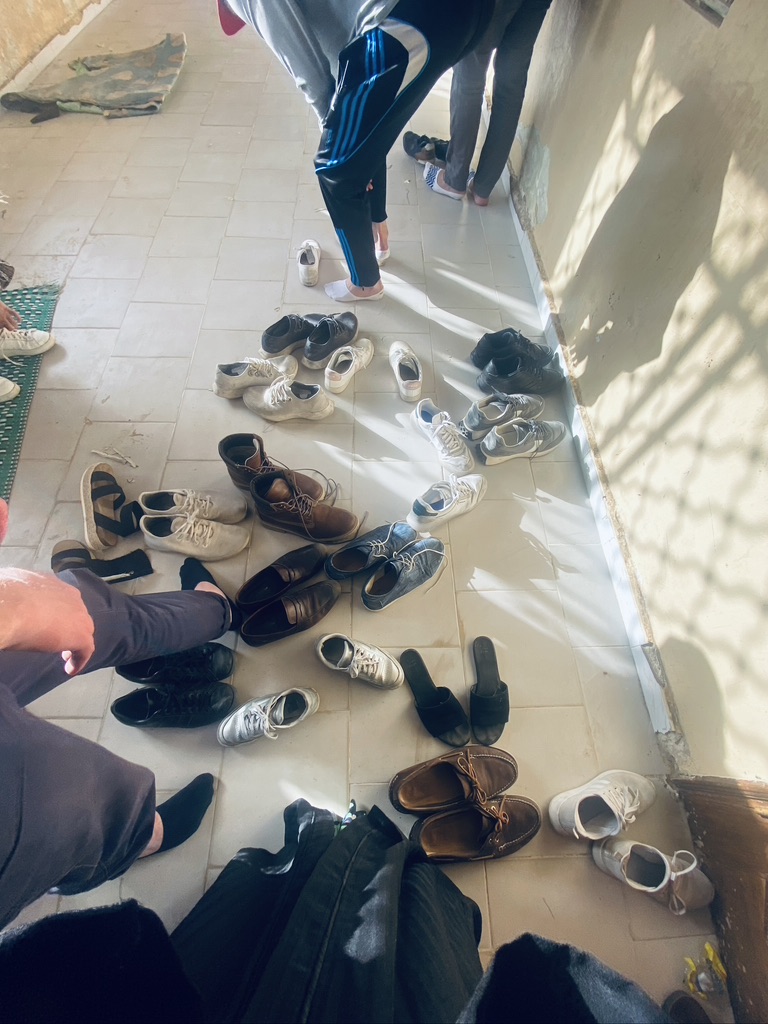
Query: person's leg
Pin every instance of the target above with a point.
(127, 629)
(513, 58)
(378, 197)
(467, 90)
(384, 76)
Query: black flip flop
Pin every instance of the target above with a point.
(440, 713)
(489, 697)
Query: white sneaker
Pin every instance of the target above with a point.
(361, 661)
(219, 506)
(675, 879)
(407, 370)
(440, 429)
(445, 500)
(346, 362)
(490, 412)
(308, 262)
(232, 379)
(520, 439)
(8, 390)
(289, 400)
(264, 716)
(602, 807)
(188, 535)
(24, 343)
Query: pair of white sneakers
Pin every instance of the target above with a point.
(20, 343)
(269, 388)
(603, 808)
(188, 522)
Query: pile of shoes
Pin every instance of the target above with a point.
(600, 811)
(463, 814)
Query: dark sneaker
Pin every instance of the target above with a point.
(285, 573)
(293, 613)
(421, 562)
(209, 663)
(525, 378)
(508, 342)
(153, 708)
(288, 333)
(425, 148)
(483, 416)
(246, 460)
(332, 332)
(520, 439)
(479, 831)
(282, 505)
(368, 551)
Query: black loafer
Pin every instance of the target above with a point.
(290, 614)
(152, 708)
(199, 666)
(332, 332)
(288, 571)
(288, 333)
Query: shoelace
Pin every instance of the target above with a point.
(379, 548)
(186, 700)
(364, 663)
(195, 504)
(268, 465)
(682, 862)
(280, 391)
(198, 531)
(460, 489)
(408, 560)
(300, 503)
(623, 801)
(536, 430)
(449, 441)
(261, 368)
(256, 722)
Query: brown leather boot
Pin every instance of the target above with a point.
(245, 459)
(479, 831)
(282, 505)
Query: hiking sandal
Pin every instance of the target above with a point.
(489, 697)
(106, 516)
(440, 712)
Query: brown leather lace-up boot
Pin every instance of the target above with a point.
(246, 460)
(282, 505)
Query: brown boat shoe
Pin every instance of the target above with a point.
(448, 782)
(479, 831)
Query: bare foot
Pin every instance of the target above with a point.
(156, 841)
(479, 200)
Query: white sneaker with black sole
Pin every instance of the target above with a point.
(443, 434)
(520, 439)
(446, 500)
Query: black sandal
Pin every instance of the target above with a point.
(489, 697)
(440, 712)
(71, 554)
(106, 515)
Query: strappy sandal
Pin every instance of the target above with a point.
(106, 515)
(489, 697)
(71, 554)
(440, 712)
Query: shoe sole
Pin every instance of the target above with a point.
(283, 351)
(491, 460)
(92, 538)
(15, 353)
(320, 364)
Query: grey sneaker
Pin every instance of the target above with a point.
(188, 535)
(368, 551)
(361, 661)
(421, 562)
(24, 343)
(232, 379)
(445, 500)
(491, 412)
(288, 399)
(265, 715)
(440, 429)
(520, 439)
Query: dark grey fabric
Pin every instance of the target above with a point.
(72, 814)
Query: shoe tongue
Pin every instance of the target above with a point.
(347, 655)
(277, 712)
(440, 417)
(177, 522)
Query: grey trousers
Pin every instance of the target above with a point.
(512, 33)
(72, 814)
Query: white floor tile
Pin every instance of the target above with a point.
(120, 256)
(157, 328)
(135, 390)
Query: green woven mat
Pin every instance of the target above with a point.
(35, 306)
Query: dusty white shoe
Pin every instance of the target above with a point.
(188, 535)
(361, 661)
(8, 390)
(289, 400)
(602, 807)
(219, 506)
(232, 379)
(674, 880)
(407, 370)
(24, 343)
(346, 362)
(439, 428)
(308, 262)
(445, 500)
(266, 715)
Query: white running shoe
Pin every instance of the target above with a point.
(439, 428)
(407, 370)
(602, 807)
(265, 715)
(361, 661)
(520, 439)
(24, 343)
(289, 400)
(490, 412)
(445, 500)
(673, 879)
(188, 535)
(218, 506)
(8, 390)
(308, 262)
(232, 379)
(346, 362)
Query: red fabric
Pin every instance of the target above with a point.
(229, 21)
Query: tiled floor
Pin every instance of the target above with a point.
(174, 236)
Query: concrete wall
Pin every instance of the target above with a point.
(643, 165)
(29, 25)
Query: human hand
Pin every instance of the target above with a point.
(9, 318)
(39, 612)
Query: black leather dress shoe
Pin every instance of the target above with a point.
(199, 666)
(152, 708)
(282, 575)
(332, 332)
(292, 613)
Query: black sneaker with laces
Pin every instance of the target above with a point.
(332, 332)
(508, 343)
(288, 333)
(154, 708)
(208, 663)
(523, 377)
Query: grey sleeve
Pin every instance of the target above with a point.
(284, 27)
